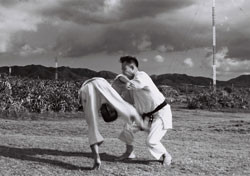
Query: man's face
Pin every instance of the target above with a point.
(127, 69)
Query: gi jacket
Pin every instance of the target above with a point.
(146, 97)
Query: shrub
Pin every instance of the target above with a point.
(219, 100)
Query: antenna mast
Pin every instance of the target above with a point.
(214, 46)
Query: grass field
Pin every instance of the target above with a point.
(201, 143)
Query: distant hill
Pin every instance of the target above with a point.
(178, 79)
(64, 73)
(67, 73)
(242, 81)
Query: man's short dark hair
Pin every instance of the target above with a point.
(129, 59)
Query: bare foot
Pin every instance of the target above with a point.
(126, 156)
(97, 164)
(167, 159)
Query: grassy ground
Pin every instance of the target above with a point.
(201, 143)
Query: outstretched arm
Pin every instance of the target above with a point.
(119, 85)
(138, 82)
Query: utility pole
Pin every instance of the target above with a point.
(56, 71)
(214, 46)
(10, 70)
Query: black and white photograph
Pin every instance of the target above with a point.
(124, 87)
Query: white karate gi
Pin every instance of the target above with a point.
(147, 97)
(92, 94)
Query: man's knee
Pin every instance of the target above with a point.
(150, 142)
(126, 136)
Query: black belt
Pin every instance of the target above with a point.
(150, 114)
(89, 80)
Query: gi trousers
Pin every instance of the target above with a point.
(95, 92)
(155, 134)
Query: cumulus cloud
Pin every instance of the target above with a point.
(144, 44)
(189, 62)
(110, 11)
(225, 65)
(149, 8)
(84, 12)
(163, 48)
(144, 59)
(14, 20)
(233, 65)
(246, 73)
(111, 6)
(123, 24)
(118, 25)
(132, 26)
(159, 58)
(28, 50)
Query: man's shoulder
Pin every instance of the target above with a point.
(142, 73)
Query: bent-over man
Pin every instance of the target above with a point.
(93, 93)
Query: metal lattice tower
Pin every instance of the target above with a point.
(214, 46)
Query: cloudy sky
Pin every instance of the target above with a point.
(167, 36)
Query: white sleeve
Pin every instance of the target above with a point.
(139, 82)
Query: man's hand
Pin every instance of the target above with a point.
(145, 127)
(119, 85)
(122, 78)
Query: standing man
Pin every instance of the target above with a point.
(151, 104)
(93, 93)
